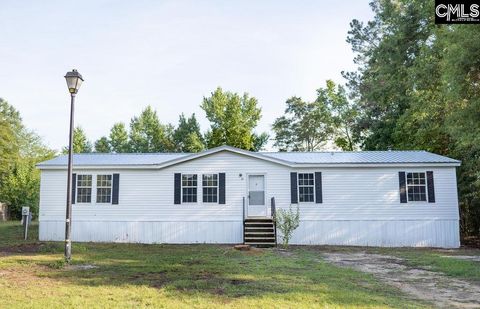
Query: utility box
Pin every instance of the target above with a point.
(3, 212)
(26, 220)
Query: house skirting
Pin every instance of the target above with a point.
(148, 232)
(381, 233)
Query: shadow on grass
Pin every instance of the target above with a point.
(203, 271)
(220, 271)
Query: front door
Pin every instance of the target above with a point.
(256, 196)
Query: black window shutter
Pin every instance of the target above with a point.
(177, 188)
(403, 187)
(293, 188)
(430, 187)
(74, 187)
(318, 188)
(115, 189)
(221, 188)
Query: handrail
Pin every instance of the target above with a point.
(243, 212)
(273, 213)
(243, 219)
(273, 209)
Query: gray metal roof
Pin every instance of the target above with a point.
(94, 159)
(360, 157)
(352, 157)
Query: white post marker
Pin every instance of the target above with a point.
(26, 220)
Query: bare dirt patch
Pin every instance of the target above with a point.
(284, 252)
(423, 284)
(23, 248)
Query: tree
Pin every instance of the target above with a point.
(386, 49)
(119, 138)
(20, 150)
(10, 128)
(187, 135)
(461, 88)
(147, 134)
(8, 147)
(342, 113)
(259, 141)
(21, 187)
(81, 144)
(102, 145)
(232, 119)
(304, 127)
(168, 142)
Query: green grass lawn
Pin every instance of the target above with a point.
(171, 276)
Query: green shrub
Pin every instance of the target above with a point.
(287, 221)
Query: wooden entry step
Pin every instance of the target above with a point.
(259, 232)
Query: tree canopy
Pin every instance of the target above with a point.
(81, 144)
(118, 138)
(233, 118)
(341, 115)
(148, 134)
(305, 126)
(103, 145)
(20, 150)
(187, 136)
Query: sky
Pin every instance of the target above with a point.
(167, 54)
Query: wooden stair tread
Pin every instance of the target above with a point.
(259, 232)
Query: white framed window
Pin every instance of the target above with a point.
(104, 189)
(84, 188)
(416, 187)
(189, 188)
(210, 188)
(306, 187)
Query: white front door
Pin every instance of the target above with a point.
(256, 196)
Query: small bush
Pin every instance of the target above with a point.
(287, 221)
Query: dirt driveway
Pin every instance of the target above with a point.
(443, 291)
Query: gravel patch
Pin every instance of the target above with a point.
(443, 291)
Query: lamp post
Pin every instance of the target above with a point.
(74, 80)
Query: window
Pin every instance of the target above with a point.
(84, 188)
(210, 188)
(306, 187)
(189, 188)
(104, 188)
(416, 187)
